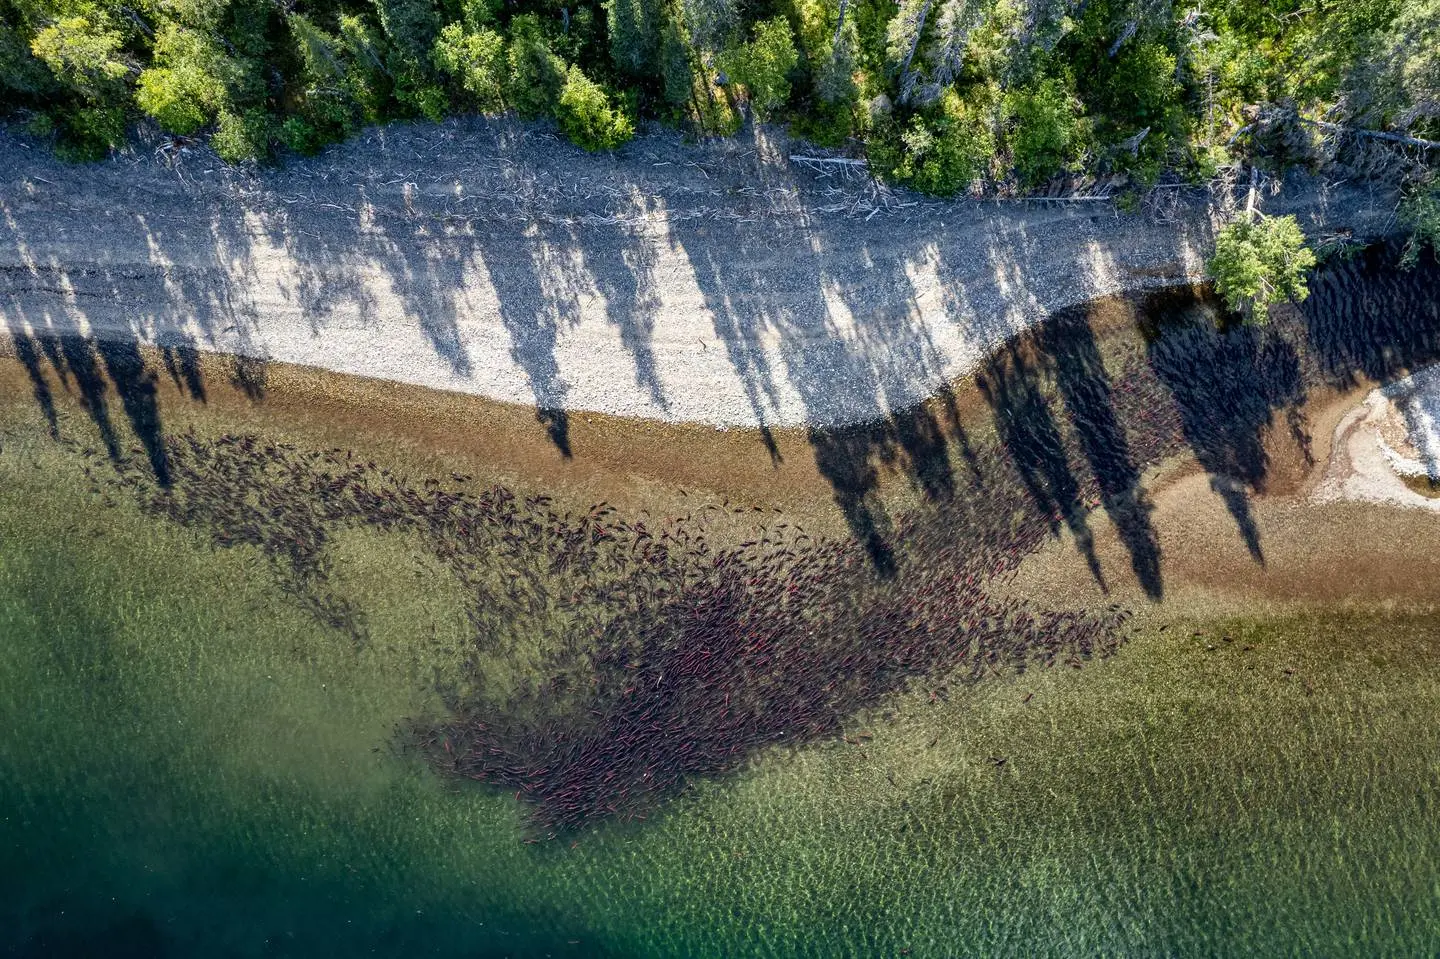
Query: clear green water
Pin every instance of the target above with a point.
(190, 766)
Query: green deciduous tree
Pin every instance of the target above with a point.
(414, 88)
(184, 90)
(83, 53)
(23, 76)
(477, 61)
(763, 65)
(368, 63)
(1042, 129)
(84, 57)
(480, 13)
(588, 116)
(946, 149)
(1258, 262)
(536, 72)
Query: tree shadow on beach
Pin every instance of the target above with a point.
(60, 320)
(852, 349)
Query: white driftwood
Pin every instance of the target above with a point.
(836, 161)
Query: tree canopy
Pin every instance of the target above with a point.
(1259, 262)
(941, 94)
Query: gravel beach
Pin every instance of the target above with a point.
(718, 283)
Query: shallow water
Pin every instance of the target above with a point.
(180, 781)
(193, 764)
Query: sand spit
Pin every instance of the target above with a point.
(1393, 435)
(716, 284)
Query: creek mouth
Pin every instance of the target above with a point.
(614, 660)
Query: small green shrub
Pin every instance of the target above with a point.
(414, 91)
(242, 136)
(1420, 211)
(947, 149)
(40, 125)
(90, 133)
(301, 136)
(825, 125)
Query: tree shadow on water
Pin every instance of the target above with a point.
(135, 385)
(1011, 383)
(863, 385)
(1086, 390)
(1228, 382)
(28, 352)
(90, 369)
(94, 367)
(1365, 318)
(182, 362)
(916, 443)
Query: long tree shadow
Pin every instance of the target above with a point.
(861, 380)
(94, 367)
(622, 265)
(1228, 383)
(742, 308)
(182, 362)
(533, 311)
(135, 385)
(1011, 383)
(1084, 384)
(80, 361)
(1365, 318)
(30, 355)
(74, 329)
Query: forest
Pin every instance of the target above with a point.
(947, 96)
